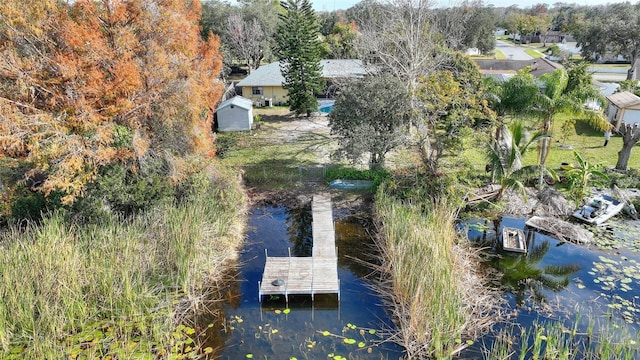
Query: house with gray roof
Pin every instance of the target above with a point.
(264, 85)
(504, 69)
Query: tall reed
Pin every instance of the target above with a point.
(438, 298)
(126, 280)
(552, 340)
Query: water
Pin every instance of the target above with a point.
(325, 106)
(564, 281)
(598, 284)
(305, 329)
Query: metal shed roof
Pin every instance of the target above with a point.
(239, 101)
(624, 99)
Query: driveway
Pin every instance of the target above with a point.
(512, 52)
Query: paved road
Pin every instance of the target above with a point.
(512, 52)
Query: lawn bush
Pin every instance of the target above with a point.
(348, 173)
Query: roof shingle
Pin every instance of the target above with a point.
(270, 74)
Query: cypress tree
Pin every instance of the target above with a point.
(299, 54)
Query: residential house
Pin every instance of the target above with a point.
(503, 69)
(624, 108)
(264, 85)
(235, 114)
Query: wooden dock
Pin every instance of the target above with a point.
(317, 274)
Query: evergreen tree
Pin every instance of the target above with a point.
(299, 53)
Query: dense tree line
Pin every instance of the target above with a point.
(86, 84)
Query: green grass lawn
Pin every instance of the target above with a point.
(588, 143)
(497, 54)
(583, 139)
(533, 53)
(280, 149)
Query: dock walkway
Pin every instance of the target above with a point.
(317, 274)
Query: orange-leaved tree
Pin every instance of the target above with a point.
(88, 83)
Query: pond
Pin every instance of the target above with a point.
(352, 328)
(596, 285)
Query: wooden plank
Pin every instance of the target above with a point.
(275, 268)
(326, 279)
(327, 252)
(300, 275)
(307, 275)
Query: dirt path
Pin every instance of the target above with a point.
(282, 126)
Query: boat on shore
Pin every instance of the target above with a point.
(514, 240)
(351, 184)
(598, 209)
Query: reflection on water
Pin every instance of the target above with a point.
(352, 328)
(558, 280)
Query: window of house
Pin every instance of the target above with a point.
(257, 91)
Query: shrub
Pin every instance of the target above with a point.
(120, 191)
(29, 207)
(375, 175)
(554, 50)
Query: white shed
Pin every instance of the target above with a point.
(235, 114)
(624, 108)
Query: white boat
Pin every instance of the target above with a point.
(598, 209)
(514, 240)
(351, 184)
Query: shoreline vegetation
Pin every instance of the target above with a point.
(440, 308)
(123, 288)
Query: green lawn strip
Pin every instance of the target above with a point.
(495, 54)
(499, 54)
(533, 53)
(610, 66)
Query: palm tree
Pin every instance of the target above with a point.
(554, 98)
(505, 156)
(581, 178)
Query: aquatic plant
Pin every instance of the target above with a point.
(554, 340)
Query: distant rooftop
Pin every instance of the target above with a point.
(541, 66)
(270, 74)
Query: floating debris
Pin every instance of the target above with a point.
(561, 229)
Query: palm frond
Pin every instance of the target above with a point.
(537, 253)
(561, 270)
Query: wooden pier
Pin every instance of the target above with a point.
(317, 274)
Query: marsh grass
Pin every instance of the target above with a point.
(118, 288)
(552, 340)
(439, 299)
